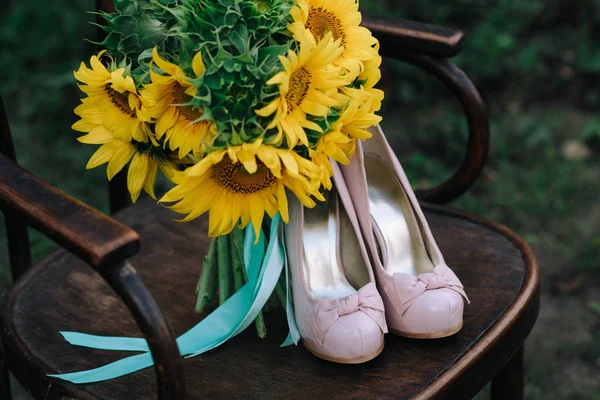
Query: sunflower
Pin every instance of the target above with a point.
(340, 142)
(112, 102)
(333, 144)
(239, 184)
(321, 160)
(308, 85)
(341, 18)
(118, 153)
(167, 99)
(356, 119)
(358, 116)
(370, 76)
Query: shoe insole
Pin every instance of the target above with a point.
(323, 265)
(394, 221)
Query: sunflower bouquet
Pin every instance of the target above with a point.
(239, 103)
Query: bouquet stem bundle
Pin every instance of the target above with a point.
(223, 269)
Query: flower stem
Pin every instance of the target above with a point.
(280, 293)
(213, 286)
(202, 289)
(237, 238)
(261, 327)
(238, 263)
(224, 256)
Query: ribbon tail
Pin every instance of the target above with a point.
(294, 334)
(231, 318)
(216, 328)
(106, 342)
(109, 371)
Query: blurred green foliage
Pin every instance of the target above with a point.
(42, 43)
(543, 49)
(537, 64)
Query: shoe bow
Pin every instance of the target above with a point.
(366, 300)
(408, 287)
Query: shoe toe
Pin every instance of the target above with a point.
(435, 312)
(353, 338)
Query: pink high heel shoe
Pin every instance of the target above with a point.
(423, 298)
(338, 309)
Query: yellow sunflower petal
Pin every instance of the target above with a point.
(136, 177)
(198, 65)
(282, 203)
(203, 166)
(214, 218)
(102, 155)
(119, 159)
(257, 213)
(268, 109)
(169, 170)
(166, 66)
(122, 84)
(151, 179)
(97, 66)
(290, 163)
(98, 135)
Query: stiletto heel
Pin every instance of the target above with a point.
(338, 309)
(422, 296)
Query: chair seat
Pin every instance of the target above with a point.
(62, 293)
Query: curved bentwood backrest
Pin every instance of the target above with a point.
(428, 47)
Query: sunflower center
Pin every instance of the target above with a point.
(120, 100)
(235, 177)
(299, 86)
(191, 113)
(321, 21)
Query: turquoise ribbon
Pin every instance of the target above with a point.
(228, 320)
(294, 335)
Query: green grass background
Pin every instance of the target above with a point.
(537, 64)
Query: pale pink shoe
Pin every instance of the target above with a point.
(423, 298)
(338, 309)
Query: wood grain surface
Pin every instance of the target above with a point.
(63, 293)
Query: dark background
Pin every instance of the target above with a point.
(537, 64)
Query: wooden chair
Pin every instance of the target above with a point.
(91, 286)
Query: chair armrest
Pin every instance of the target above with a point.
(103, 243)
(396, 35)
(168, 364)
(97, 239)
